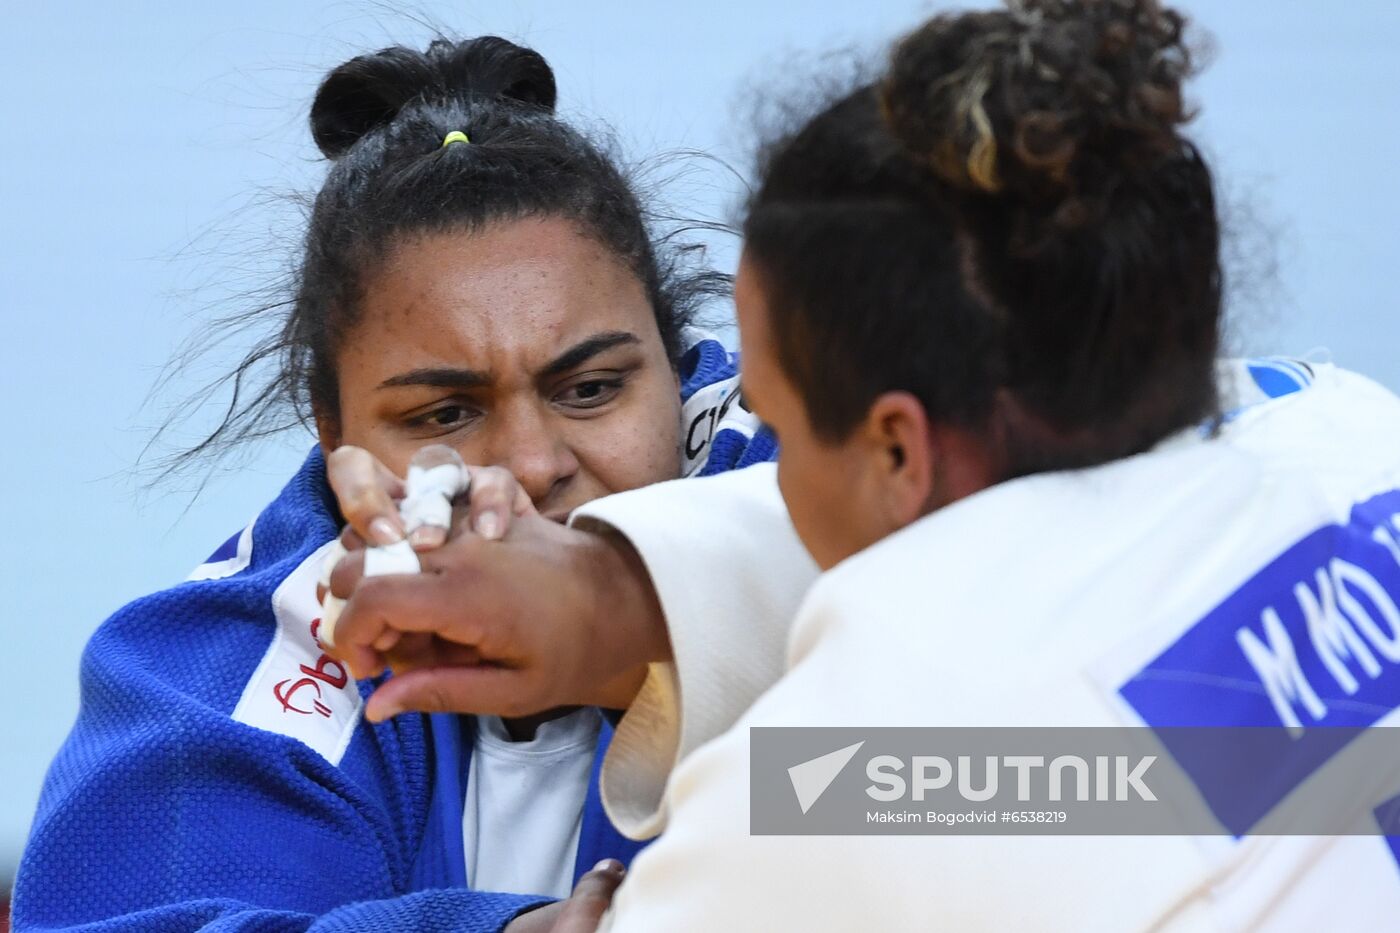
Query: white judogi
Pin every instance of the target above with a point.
(1162, 590)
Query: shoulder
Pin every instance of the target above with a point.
(237, 638)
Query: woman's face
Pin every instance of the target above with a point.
(527, 345)
(832, 490)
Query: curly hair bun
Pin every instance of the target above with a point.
(1051, 102)
(369, 91)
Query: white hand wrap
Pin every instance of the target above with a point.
(330, 605)
(430, 493)
(379, 561)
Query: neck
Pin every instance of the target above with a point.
(965, 465)
(523, 729)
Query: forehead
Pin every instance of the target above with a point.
(518, 288)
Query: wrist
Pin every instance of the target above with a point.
(627, 618)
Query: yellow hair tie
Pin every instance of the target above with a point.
(456, 136)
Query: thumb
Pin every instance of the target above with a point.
(591, 898)
(483, 689)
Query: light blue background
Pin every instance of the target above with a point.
(135, 144)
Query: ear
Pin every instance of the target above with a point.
(327, 429)
(899, 438)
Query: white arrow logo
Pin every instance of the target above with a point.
(811, 778)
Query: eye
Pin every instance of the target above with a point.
(443, 418)
(590, 392)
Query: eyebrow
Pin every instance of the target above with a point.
(585, 350)
(439, 378)
(446, 377)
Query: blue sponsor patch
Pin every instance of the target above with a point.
(1277, 376)
(1308, 650)
(1274, 380)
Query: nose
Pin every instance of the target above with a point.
(528, 443)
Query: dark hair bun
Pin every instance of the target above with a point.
(1050, 102)
(369, 91)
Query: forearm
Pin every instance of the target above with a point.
(627, 599)
(728, 572)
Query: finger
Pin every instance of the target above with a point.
(330, 604)
(417, 651)
(427, 537)
(409, 650)
(366, 490)
(348, 542)
(342, 572)
(591, 898)
(346, 574)
(385, 643)
(436, 476)
(403, 602)
(364, 651)
(483, 689)
(397, 558)
(496, 497)
(412, 650)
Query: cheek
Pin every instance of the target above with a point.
(361, 426)
(800, 480)
(387, 447)
(824, 503)
(358, 422)
(635, 446)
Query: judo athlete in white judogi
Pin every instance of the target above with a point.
(1136, 586)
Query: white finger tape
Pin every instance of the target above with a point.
(379, 561)
(330, 605)
(430, 493)
(395, 558)
(330, 613)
